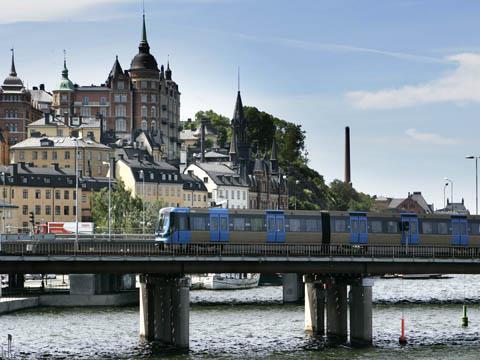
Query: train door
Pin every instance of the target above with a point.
(219, 225)
(358, 228)
(275, 226)
(459, 230)
(409, 229)
(183, 233)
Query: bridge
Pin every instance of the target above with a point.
(164, 291)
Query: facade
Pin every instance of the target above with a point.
(143, 98)
(225, 187)
(195, 194)
(47, 192)
(16, 109)
(51, 125)
(149, 180)
(93, 157)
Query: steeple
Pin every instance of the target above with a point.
(273, 157)
(13, 72)
(65, 83)
(144, 42)
(234, 148)
(162, 72)
(144, 60)
(239, 120)
(168, 73)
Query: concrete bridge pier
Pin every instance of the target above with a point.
(314, 305)
(165, 309)
(361, 312)
(337, 310)
(292, 288)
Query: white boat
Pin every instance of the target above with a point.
(225, 281)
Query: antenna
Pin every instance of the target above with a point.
(238, 78)
(143, 7)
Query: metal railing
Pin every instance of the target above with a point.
(139, 247)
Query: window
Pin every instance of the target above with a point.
(25, 193)
(376, 226)
(103, 100)
(54, 155)
(154, 111)
(154, 98)
(120, 85)
(34, 155)
(340, 225)
(238, 194)
(143, 98)
(66, 155)
(48, 194)
(244, 195)
(66, 210)
(21, 155)
(239, 224)
(66, 195)
(121, 125)
(312, 225)
(143, 84)
(85, 100)
(427, 227)
(85, 112)
(226, 194)
(64, 98)
(123, 98)
(59, 132)
(103, 112)
(48, 210)
(257, 223)
(120, 110)
(57, 210)
(144, 111)
(38, 209)
(37, 194)
(294, 224)
(154, 126)
(198, 222)
(443, 228)
(392, 227)
(44, 155)
(25, 209)
(153, 84)
(74, 195)
(57, 194)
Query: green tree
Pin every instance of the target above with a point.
(347, 198)
(219, 123)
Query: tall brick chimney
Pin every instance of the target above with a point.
(348, 178)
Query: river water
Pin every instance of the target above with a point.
(253, 324)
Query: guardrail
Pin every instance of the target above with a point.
(149, 248)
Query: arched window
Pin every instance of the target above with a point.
(154, 111)
(144, 125)
(154, 126)
(120, 110)
(144, 111)
(121, 125)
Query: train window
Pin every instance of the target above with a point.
(257, 223)
(223, 224)
(427, 228)
(392, 226)
(376, 226)
(442, 228)
(238, 224)
(475, 228)
(311, 225)
(182, 222)
(198, 223)
(214, 223)
(340, 225)
(294, 224)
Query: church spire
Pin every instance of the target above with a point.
(234, 148)
(168, 72)
(13, 72)
(144, 47)
(273, 157)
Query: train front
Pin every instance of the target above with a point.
(163, 231)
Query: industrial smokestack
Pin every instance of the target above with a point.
(203, 123)
(348, 178)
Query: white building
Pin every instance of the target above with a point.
(225, 187)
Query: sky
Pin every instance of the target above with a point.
(403, 74)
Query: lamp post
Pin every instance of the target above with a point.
(444, 196)
(109, 198)
(295, 190)
(476, 180)
(76, 193)
(451, 191)
(142, 176)
(3, 203)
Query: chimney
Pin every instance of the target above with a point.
(348, 178)
(203, 123)
(42, 87)
(56, 166)
(34, 88)
(190, 172)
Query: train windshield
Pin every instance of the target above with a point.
(163, 221)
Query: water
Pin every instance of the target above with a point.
(258, 326)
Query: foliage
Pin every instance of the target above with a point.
(219, 123)
(126, 211)
(345, 197)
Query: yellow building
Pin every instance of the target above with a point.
(195, 193)
(55, 126)
(49, 193)
(93, 157)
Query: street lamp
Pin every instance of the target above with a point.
(3, 203)
(451, 190)
(476, 180)
(280, 177)
(444, 197)
(109, 198)
(76, 192)
(295, 190)
(141, 174)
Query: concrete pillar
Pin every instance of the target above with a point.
(337, 309)
(16, 281)
(165, 309)
(314, 308)
(292, 288)
(361, 312)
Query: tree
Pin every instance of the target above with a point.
(346, 198)
(219, 123)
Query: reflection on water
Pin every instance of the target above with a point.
(268, 330)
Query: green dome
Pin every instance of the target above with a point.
(66, 83)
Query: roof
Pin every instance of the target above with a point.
(191, 182)
(57, 141)
(41, 96)
(187, 134)
(87, 122)
(144, 60)
(221, 174)
(212, 155)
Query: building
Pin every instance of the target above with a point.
(142, 98)
(195, 194)
(9, 218)
(456, 208)
(49, 193)
(51, 125)
(41, 99)
(149, 180)
(414, 202)
(226, 188)
(93, 157)
(16, 109)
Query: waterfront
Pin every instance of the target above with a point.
(253, 324)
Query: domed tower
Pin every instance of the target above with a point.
(144, 74)
(63, 96)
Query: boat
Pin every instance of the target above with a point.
(225, 281)
(420, 276)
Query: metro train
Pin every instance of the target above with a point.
(216, 225)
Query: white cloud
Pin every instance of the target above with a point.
(461, 85)
(48, 10)
(429, 138)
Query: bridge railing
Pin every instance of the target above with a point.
(142, 248)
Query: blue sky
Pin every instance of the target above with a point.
(404, 74)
